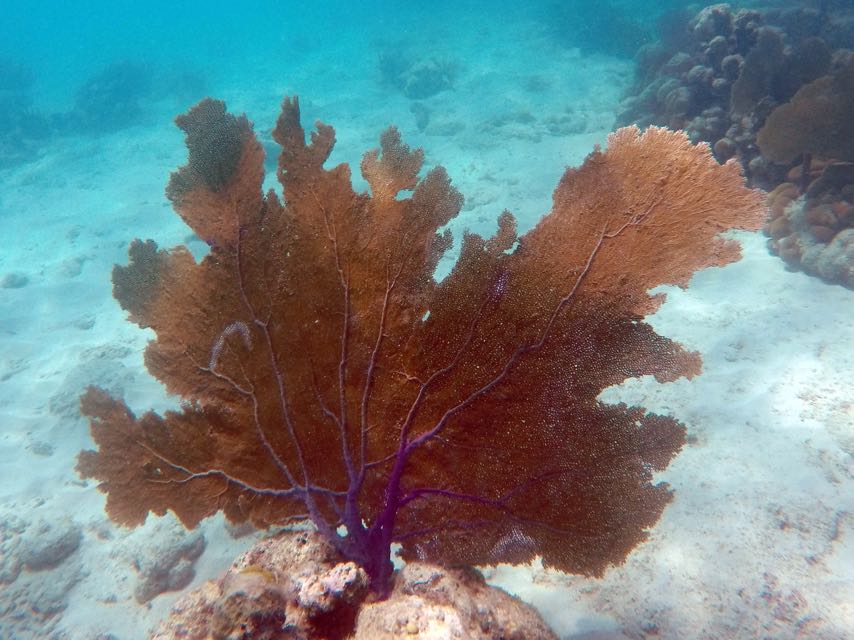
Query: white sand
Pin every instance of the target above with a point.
(758, 541)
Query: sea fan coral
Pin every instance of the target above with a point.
(327, 375)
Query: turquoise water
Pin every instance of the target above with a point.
(756, 541)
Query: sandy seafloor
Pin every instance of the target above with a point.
(759, 539)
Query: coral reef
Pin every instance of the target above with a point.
(597, 27)
(122, 93)
(111, 99)
(295, 586)
(327, 376)
(772, 87)
(118, 96)
(22, 128)
(416, 77)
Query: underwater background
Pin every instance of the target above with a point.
(759, 539)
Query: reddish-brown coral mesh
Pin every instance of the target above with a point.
(818, 120)
(327, 375)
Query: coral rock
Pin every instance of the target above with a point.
(293, 586)
(822, 234)
(724, 149)
(822, 215)
(249, 606)
(445, 604)
(817, 120)
(778, 228)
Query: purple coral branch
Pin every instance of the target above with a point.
(208, 473)
(422, 391)
(344, 279)
(307, 495)
(382, 529)
(525, 348)
(265, 442)
(369, 377)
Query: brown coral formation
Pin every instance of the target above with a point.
(294, 586)
(819, 120)
(326, 375)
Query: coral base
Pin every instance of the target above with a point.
(294, 585)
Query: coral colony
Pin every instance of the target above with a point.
(775, 89)
(326, 375)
